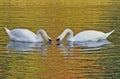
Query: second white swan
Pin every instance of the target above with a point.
(25, 35)
(88, 35)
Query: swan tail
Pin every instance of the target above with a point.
(7, 30)
(109, 33)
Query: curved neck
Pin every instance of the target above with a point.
(41, 31)
(70, 36)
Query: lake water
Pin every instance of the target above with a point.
(90, 60)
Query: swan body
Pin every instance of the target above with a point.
(25, 35)
(88, 35)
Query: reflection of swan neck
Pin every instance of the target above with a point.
(70, 36)
(41, 31)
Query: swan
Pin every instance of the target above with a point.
(25, 35)
(88, 35)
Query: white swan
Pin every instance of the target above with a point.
(88, 35)
(25, 35)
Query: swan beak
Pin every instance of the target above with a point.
(58, 41)
(50, 41)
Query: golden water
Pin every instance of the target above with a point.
(26, 61)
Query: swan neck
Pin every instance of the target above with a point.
(46, 37)
(70, 36)
(39, 37)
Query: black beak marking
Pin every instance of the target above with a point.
(58, 39)
(50, 40)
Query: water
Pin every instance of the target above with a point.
(90, 60)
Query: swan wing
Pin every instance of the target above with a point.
(23, 35)
(89, 35)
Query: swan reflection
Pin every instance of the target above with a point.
(26, 47)
(88, 45)
(69, 49)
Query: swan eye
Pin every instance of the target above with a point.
(58, 39)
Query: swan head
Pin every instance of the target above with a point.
(58, 41)
(45, 35)
(49, 40)
(62, 35)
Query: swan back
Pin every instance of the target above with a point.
(88, 35)
(23, 35)
(91, 35)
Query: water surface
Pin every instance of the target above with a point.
(89, 60)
